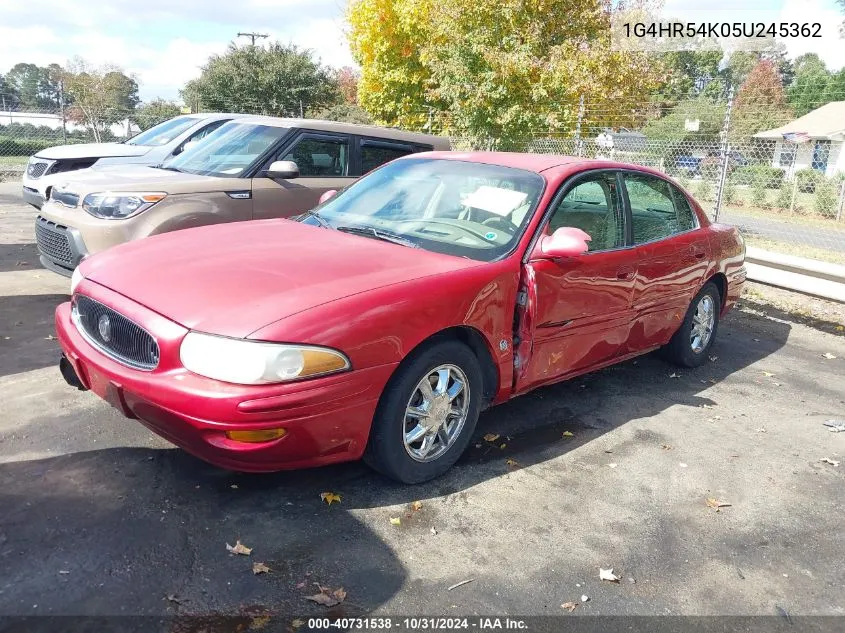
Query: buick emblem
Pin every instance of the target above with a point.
(104, 326)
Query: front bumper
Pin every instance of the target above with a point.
(327, 420)
(60, 247)
(32, 196)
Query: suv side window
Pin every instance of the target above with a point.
(377, 154)
(326, 157)
(658, 210)
(594, 206)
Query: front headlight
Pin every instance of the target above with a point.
(75, 278)
(255, 363)
(116, 206)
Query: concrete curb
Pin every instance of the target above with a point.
(807, 276)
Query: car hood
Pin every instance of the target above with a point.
(233, 279)
(92, 150)
(142, 178)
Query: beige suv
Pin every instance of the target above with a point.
(250, 168)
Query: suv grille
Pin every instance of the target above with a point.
(115, 335)
(37, 167)
(53, 241)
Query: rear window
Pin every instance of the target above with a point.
(373, 156)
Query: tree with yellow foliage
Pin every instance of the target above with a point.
(496, 69)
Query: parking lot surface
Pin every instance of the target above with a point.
(612, 470)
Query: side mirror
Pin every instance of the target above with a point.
(327, 195)
(284, 169)
(567, 241)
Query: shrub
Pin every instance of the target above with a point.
(24, 146)
(758, 194)
(808, 179)
(768, 176)
(704, 191)
(729, 194)
(825, 201)
(784, 197)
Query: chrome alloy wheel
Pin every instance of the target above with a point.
(436, 413)
(702, 324)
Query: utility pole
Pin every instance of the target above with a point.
(62, 109)
(253, 36)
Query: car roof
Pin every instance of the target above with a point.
(538, 163)
(347, 128)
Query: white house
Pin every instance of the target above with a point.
(824, 150)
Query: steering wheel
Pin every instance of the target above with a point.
(500, 223)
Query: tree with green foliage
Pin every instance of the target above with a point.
(276, 79)
(151, 113)
(808, 90)
(101, 96)
(496, 69)
(835, 90)
(345, 112)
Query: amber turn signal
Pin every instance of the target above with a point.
(263, 435)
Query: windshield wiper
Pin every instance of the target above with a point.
(167, 167)
(379, 234)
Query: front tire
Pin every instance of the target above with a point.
(427, 413)
(690, 344)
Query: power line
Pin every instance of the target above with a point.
(253, 36)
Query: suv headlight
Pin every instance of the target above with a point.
(255, 363)
(116, 206)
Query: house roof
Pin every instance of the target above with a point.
(827, 122)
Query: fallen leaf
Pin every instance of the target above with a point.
(502, 446)
(258, 622)
(239, 548)
(260, 568)
(328, 599)
(330, 497)
(491, 437)
(416, 506)
(511, 463)
(607, 574)
(569, 606)
(666, 447)
(762, 430)
(716, 504)
(234, 486)
(682, 465)
(840, 328)
(611, 465)
(300, 585)
(713, 359)
(768, 374)
(828, 356)
(674, 375)
(297, 623)
(832, 462)
(756, 340)
(568, 434)
(395, 521)
(49, 337)
(433, 531)
(172, 597)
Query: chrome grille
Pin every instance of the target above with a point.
(37, 167)
(114, 334)
(52, 240)
(66, 198)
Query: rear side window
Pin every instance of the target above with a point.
(658, 210)
(373, 156)
(320, 157)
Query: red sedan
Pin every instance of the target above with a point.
(380, 324)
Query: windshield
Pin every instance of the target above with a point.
(228, 151)
(459, 208)
(163, 133)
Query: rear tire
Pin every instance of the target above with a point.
(420, 431)
(690, 344)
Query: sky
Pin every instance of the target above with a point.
(165, 42)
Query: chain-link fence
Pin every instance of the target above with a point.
(781, 180)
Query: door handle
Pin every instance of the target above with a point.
(697, 252)
(625, 273)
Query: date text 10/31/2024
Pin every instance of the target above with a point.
(418, 624)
